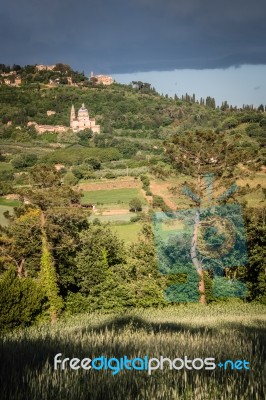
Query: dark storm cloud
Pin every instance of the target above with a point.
(115, 36)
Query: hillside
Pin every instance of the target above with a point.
(133, 118)
(135, 122)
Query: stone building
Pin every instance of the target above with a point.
(104, 79)
(50, 112)
(49, 128)
(82, 120)
(41, 67)
(77, 123)
(12, 79)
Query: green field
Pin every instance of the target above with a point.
(236, 332)
(113, 196)
(9, 203)
(5, 166)
(3, 220)
(127, 232)
(6, 205)
(26, 148)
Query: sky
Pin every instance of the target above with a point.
(206, 47)
(237, 85)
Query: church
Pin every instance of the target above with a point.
(82, 120)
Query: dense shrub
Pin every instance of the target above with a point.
(158, 202)
(70, 179)
(145, 183)
(21, 300)
(24, 160)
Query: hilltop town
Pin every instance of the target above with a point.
(50, 75)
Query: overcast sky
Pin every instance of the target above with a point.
(120, 36)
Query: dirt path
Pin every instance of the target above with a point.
(159, 190)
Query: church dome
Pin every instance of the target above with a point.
(83, 111)
(83, 107)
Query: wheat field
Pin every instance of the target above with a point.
(223, 331)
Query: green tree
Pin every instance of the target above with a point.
(210, 102)
(46, 189)
(135, 204)
(84, 136)
(161, 170)
(158, 202)
(63, 68)
(24, 160)
(100, 251)
(146, 283)
(230, 123)
(93, 162)
(60, 225)
(21, 242)
(256, 268)
(63, 227)
(70, 179)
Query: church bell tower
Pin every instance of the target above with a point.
(72, 115)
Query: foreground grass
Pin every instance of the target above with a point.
(221, 331)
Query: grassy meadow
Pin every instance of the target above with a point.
(9, 202)
(237, 332)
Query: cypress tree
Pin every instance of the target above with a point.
(49, 279)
